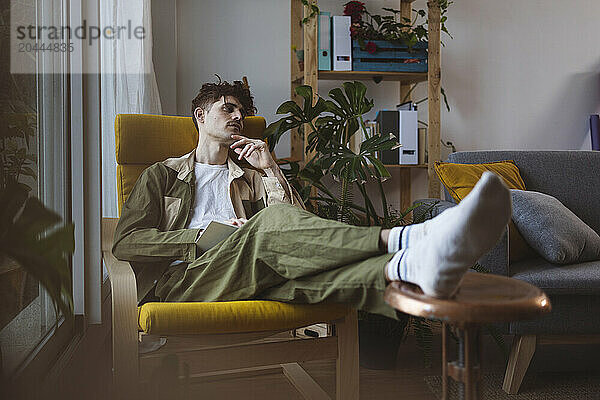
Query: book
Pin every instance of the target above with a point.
(595, 131)
(214, 233)
(342, 43)
(324, 34)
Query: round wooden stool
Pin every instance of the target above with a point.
(480, 299)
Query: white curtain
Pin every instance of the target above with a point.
(128, 81)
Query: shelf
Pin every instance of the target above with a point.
(409, 77)
(307, 36)
(397, 166)
(388, 166)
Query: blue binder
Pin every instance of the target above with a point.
(324, 36)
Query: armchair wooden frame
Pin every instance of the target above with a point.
(233, 355)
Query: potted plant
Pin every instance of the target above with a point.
(33, 239)
(331, 124)
(390, 42)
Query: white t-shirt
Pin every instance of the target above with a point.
(211, 196)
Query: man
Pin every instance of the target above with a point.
(280, 251)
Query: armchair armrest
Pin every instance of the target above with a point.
(496, 260)
(124, 313)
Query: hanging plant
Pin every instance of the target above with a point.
(392, 26)
(313, 11)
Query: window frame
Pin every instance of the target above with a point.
(81, 161)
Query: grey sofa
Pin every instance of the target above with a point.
(573, 177)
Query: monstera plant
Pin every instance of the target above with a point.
(36, 239)
(331, 124)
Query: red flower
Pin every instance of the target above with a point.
(354, 9)
(371, 48)
(353, 32)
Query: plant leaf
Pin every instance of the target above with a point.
(289, 106)
(32, 236)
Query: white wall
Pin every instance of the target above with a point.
(519, 74)
(164, 55)
(232, 39)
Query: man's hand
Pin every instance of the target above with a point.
(255, 151)
(237, 221)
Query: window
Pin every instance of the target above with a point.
(34, 148)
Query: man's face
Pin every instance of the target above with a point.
(223, 119)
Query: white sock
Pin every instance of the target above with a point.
(400, 236)
(440, 251)
(393, 244)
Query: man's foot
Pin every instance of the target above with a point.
(437, 253)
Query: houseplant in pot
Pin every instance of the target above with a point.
(390, 42)
(36, 239)
(329, 126)
(33, 239)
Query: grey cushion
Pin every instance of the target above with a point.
(551, 229)
(569, 175)
(580, 279)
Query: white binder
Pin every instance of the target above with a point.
(409, 137)
(342, 43)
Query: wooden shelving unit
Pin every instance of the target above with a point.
(406, 77)
(305, 36)
(405, 166)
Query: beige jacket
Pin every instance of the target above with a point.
(151, 232)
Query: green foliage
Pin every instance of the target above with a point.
(392, 27)
(30, 234)
(33, 236)
(16, 130)
(18, 119)
(313, 10)
(331, 124)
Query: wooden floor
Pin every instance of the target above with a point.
(405, 382)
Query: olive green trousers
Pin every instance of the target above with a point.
(284, 253)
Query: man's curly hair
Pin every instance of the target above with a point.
(210, 93)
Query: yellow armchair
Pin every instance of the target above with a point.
(217, 337)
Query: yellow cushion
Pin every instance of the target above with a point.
(459, 179)
(127, 175)
(142, 140)
(232, 316)
(163, 136)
